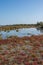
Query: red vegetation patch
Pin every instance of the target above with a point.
(22, 51)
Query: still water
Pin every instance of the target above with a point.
(21, 32)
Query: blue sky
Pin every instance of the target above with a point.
(20, 11)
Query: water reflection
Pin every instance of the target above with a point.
(41, 30)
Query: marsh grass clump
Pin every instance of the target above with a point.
(0, 36)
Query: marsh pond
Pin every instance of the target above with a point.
(21, 32)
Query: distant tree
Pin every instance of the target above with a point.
(38, 23)
(41, 23)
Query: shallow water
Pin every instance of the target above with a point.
(21, 32)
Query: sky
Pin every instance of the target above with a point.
(20, 11)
